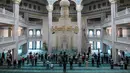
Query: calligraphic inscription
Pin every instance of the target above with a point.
(74, 29)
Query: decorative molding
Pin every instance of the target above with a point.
(112, 1)
(16, 1)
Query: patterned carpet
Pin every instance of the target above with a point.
(105, 68)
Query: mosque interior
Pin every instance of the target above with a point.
(46, 36)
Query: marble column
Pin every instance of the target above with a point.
(50, 9)
(113, 25)
(16, 25)
(103, 16)
(26, 31)
(79, 42)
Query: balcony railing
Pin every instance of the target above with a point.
(10, 14)
(107, 37)
(23, 37)
(119, 14)
(108, 19)
(6, 39)
(30, 36)
(124, 40)
(21, 19)
(6, 12)
(123, 12)
(10, 39)
(94, 36)
(35, 23)
(94, 23)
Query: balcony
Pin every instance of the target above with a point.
(10, 39)
(94, 23)
(35, 37)
(35, 23)
(121, 18)
(125, 40)
(5, 12)
(94, 38)
(7, 17)
(22, 39)
(107, 21)
(107, 37)
(6, 40)
(22, 22)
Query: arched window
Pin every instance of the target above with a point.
(25, 4)
(38, 45)
(30, 45)
(38, 32)
(30, 6)
(34, 7)
(94, 7)
(92, 43)
(104, 4)
(39, 8)
(30, 32)
(99, 5)
(91, 33)
(90, 8)
(98, 32)
(98, 45)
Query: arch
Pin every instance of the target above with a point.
(51, 2)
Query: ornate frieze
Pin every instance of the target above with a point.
(64, 28)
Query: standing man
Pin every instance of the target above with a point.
(64, 59)
(92, 61)
(71, 62)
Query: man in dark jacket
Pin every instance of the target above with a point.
(71, 63)
(64, 59)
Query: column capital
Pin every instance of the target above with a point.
(112, 1)
(79, 8)
(78, 2)
(49, 8)
(17, 1)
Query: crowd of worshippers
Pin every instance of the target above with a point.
(48, 60)
(100, 58)
(62, 59)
